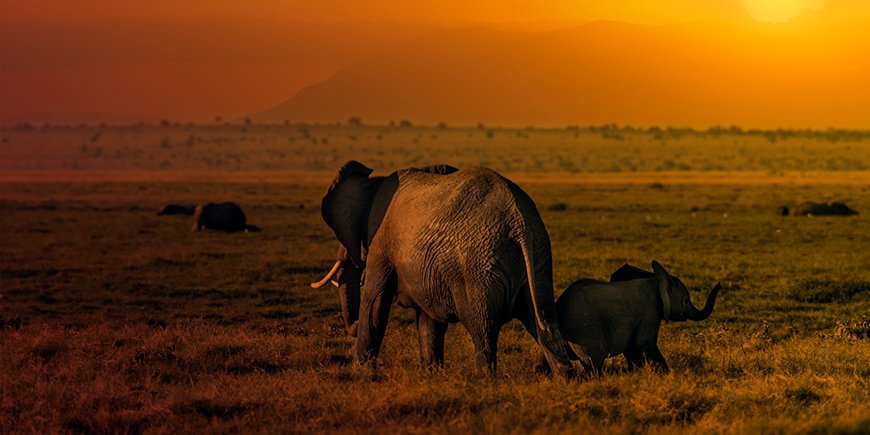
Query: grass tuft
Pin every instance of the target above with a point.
(853, 329)
(827, 291)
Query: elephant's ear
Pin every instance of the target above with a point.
(346, 206)
(438, 169)
(628, 272)
(664, 282)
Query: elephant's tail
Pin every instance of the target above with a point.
(525, 244)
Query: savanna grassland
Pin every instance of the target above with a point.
(117, 320)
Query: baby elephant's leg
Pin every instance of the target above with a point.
(656, 359)
(541, 365)
(635, 359)
(591, 358)
(597, 361)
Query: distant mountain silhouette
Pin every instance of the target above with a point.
(694, 74)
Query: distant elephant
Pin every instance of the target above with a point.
(177, 209)
(782, 211)
(810, 208)
(225, 216)
(456, 246)
(601, 320)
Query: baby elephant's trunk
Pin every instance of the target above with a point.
(708, 307)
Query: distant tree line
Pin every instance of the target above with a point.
(608, 131)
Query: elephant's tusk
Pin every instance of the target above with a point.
(335, 283)
(328, 276)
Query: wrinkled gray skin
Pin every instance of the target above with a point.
(455, 246)
(601, 319)
(225, 216)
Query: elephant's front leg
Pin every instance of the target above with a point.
(431, 338)
(377, 296)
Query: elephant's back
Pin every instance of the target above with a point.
(459, 191)
(225, 216)
(474, 200)
(456, 231)
(577, 302)
(823, 209)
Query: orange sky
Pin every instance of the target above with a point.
(196, 59)
(351, 10)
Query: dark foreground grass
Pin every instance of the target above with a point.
(116, 320)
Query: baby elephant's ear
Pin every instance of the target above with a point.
(664, 288)
(628, 273)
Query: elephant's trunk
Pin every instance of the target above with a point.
(328, 276)
(697, 314)
(349, 296)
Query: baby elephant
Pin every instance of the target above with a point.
(599, 319)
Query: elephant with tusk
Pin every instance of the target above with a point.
(348, 295)
(599, 319)
(456, 246)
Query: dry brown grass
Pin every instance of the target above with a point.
(130, 323)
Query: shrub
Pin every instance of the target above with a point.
(855, 329)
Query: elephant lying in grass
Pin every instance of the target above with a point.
(225, 216)
(600, 320)
(823, 209)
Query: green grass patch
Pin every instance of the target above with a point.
(827, 291)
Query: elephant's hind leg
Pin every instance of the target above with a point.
(485, 339)
(431, 339)
(487, 354)
(550, 341)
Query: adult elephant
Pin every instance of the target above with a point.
(810, 208)
(224, 216)
(456, 246)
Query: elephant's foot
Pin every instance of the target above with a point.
(430, 337)
(365, 354)
(486, 347)
(565, 372)
(542, 366)
(657, 360)
(487, 369)
(352, 329)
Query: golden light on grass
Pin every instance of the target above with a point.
(780, 11)
(682, 131)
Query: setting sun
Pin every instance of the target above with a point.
(780, 11)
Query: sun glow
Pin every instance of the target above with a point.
(780, 11)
